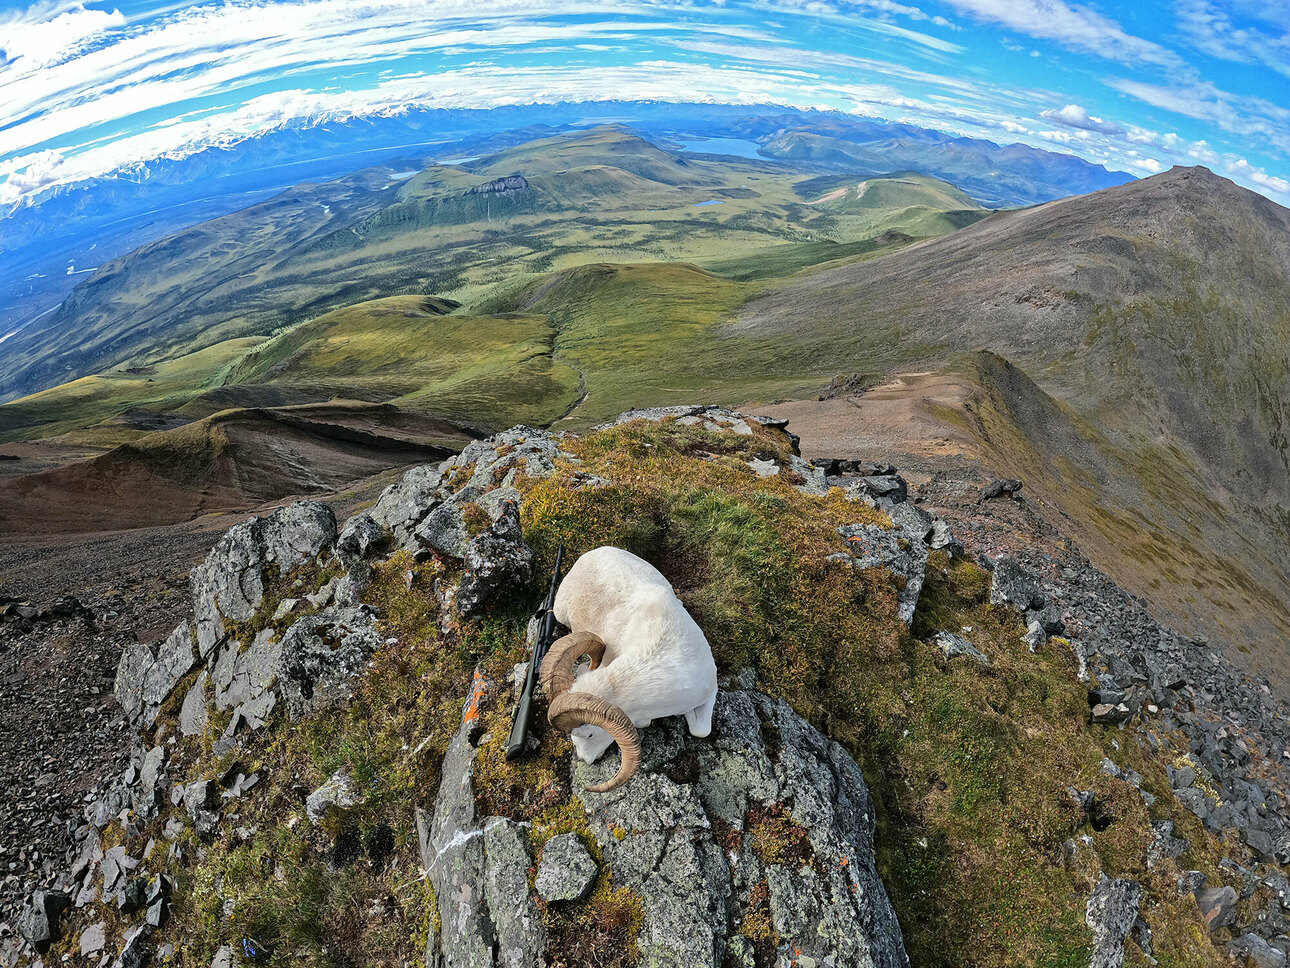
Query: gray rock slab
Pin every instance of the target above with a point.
(567, 871)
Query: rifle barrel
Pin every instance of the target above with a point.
(516, 742)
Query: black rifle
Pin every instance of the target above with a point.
(518, 739)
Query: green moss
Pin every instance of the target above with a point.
(757, 925)
(777, 838)
(524, 789)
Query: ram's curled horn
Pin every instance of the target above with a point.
(574, 709)
(557, 667)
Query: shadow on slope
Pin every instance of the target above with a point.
(233, 460)
(1205, 558)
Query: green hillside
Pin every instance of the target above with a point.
(609, 146)
(602, 195)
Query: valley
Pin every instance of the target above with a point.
(560, 281)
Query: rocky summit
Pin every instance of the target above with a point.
(941, 737)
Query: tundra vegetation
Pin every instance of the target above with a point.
(346, 284)
(969, 764)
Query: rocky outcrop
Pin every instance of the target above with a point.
(901, 550)
(1113, 915)
(422, 511)
(147, 674)
(496, 559)
(229, 585)
(506, 185)
(766, 818)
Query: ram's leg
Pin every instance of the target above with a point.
(699, 718)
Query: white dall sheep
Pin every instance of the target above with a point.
(649, 659)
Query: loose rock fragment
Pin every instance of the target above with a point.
(338, 793)
(566, 872)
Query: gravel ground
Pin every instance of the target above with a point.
(62, 733)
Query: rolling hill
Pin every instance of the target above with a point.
(172, 320)
(1138, 376)
(602, 194)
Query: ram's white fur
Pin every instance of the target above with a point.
(657, 660)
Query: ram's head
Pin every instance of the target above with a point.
(592, 722)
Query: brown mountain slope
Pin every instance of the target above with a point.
(1150, 400)
(1158, 306)
(233, 460)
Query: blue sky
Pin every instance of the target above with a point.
(89, 88)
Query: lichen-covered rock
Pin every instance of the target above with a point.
(901, 549)
(764, 777)
(146, 675)
(567, 872)
(452, 855)
(93, 939)
(321, 656)
(495, 560)
(38, 922)
(338, 793)
(192, 714)
(1014, 585)
(890, 488)
(814, 480)
(1256, 952)
(240, 674)
(444, 528)
(361, 537)
(229, 584)
(1035, 638)
(942, 537)
(520, 938)
(1113, 915)
(404, 504)
(953, 645)
(708, 416)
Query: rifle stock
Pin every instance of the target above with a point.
(518, 740)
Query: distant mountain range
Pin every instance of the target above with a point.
(50, 240)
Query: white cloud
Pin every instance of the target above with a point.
(1149, 165)
(1210, 28)
(1203, 153)
(1079, 27)
(1244, 115)
(47, 33)
(1241, 169)
(1074, 116)
(217, 49)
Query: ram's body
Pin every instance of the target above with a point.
(657, 661)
